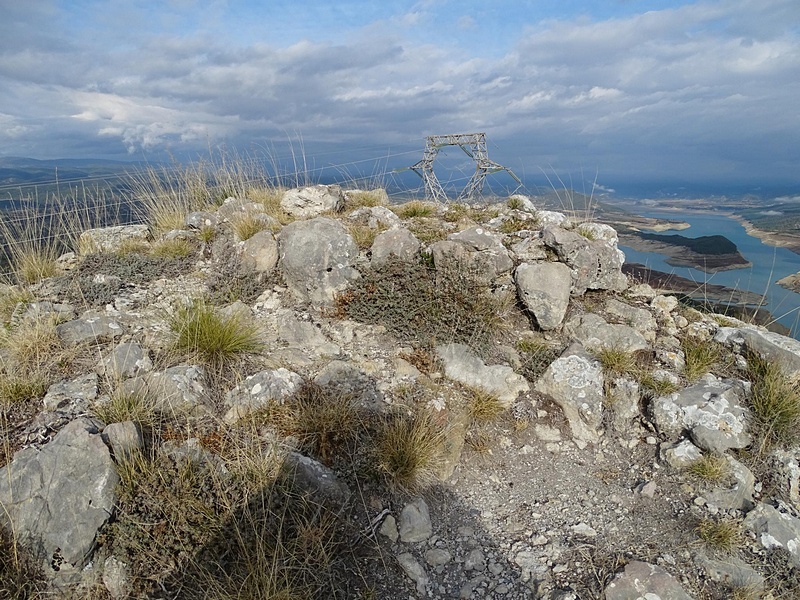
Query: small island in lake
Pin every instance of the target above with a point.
(709, 253)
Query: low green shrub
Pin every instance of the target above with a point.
(426, 306)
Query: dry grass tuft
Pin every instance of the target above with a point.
(701, 357)
(123, 407)
(483, 407)
(415, 208)
(177, 247)
(616, 361)
(775, 403)
(408, 447)
(21, 577)
(721, 535)
(247, 225)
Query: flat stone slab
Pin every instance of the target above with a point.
(56, 498)
(94, 328)
(544, 289)
(463, 366)
(775, 529)
(259, 390)
(594, 333)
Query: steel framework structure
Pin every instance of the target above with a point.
(474, 145)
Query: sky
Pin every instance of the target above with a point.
(611, 91)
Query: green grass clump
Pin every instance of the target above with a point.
(15, 389)
(658, 386)
(514, 203)
(616, 361)
(711, 468)
(415, 208)
(217, 340)
(774, 402)
(701, 356)
(248, 225)
(514, 224)
(722, 535)
(408, 447)
(177, 247)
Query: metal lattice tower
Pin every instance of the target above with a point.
(474, 145)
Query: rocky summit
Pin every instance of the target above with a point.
(320, 395)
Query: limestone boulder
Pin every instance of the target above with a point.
(394, 244)
(177, 390)
(475, 248)
(575, 382)
(112, 239)
(316, 258)
(595, 264)
(124, 361)
(712, 411)
(775, 529)
(260, 252)
(312, 478)
(89, 327)
(461, 364)
(773, 347)
(312, 201)
(594, 333)
(544, 289)
(57, 498)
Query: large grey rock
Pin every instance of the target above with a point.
(395, 244)
(176, 390)
(595, 264)
(643, 581)
(316, 257)
(711, 411)
(72, 396)
(415, 522)
(313, 200)
(544, 289)
(775, 529)
(200, 219)
(124, 361)
(320, 483)
(575, 382)
(259, 390)
(462, 365)
(233, 209)
(112, 239)
(595, 334)
(623, 400)
(89, 328)
(772, 346)
(56, 498)
(260, 252)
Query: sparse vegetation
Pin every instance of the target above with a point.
(658, 386)
(122, 407)
(616, 361)
(420, 304)
(247, 225)
(21, 577)
(365, 198)
(177, 247)
(483, 407)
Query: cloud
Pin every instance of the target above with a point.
(707, 88)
